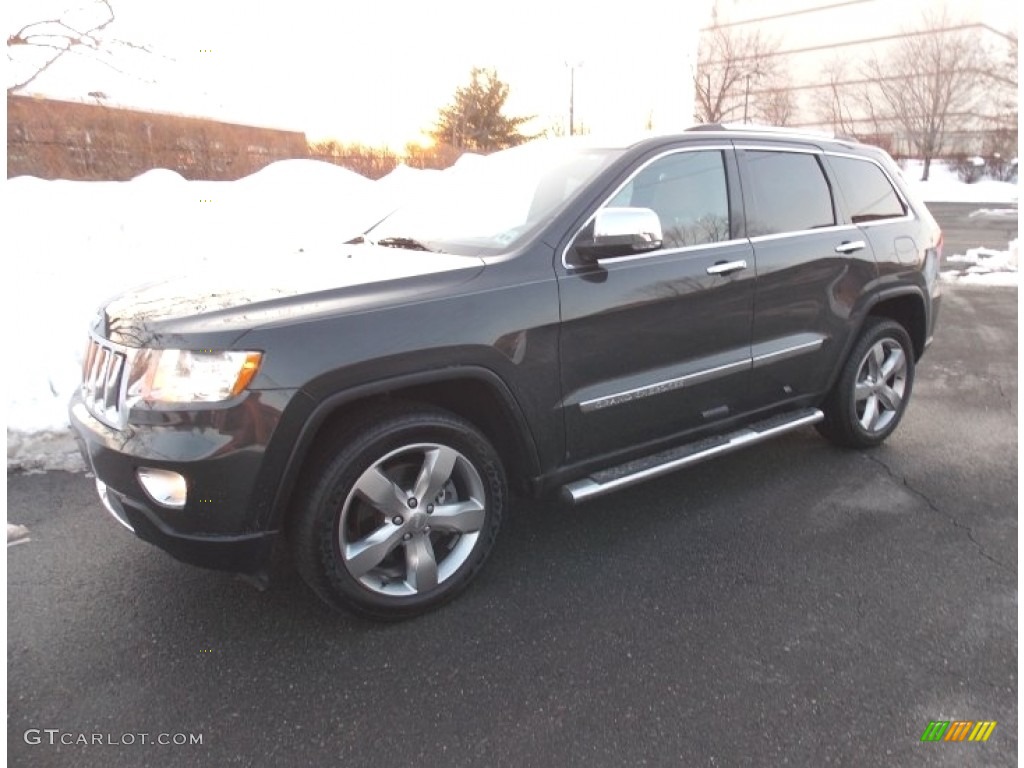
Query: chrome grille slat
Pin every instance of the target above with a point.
(103, 377)
(97, 361)
(110, 378)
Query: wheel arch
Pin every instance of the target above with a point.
(476, 394)
(906, 307)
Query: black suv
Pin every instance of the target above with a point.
(563, 316)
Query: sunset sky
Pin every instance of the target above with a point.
(378, 72)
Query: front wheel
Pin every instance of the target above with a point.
(869, 398)
(400, 513)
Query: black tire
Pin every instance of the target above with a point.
(873, 389)
(431, 540)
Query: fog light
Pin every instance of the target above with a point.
(166, 488)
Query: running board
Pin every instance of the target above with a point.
(630, 473)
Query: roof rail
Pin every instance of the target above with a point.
(758, 128)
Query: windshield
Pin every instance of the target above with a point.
(487, 204)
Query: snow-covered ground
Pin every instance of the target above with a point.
(944, 185)
(984, 266)
(69, 245)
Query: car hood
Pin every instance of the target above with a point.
(256, 293)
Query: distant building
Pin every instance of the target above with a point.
(823, 45)
(55, 139)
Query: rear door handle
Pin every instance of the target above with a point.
(725, 267)
(849, 246)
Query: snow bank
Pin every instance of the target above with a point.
(944, 185)
(71, 245)
(985, 266)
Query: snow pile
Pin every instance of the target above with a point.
(73, 244)
(985, 267)
(944, 185)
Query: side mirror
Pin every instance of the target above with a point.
(618, 232)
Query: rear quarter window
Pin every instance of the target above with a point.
(867, 190)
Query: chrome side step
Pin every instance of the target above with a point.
(631, 473)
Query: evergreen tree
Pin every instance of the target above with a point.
(474, 122)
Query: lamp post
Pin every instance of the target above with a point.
(746, 89)
(572, 94)
(746, 97)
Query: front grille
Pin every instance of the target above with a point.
(103, 382)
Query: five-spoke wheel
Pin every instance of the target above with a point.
(873, 388)
(400, 513)
(881, 384)
(412, 519)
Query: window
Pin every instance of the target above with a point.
(790, 193)
(688, 192)
(867, 191)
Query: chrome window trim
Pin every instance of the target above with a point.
(740, 145)
(612, 260)
(797, 232)
(653, 254)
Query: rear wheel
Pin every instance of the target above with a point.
(400, 513)
(869, 398)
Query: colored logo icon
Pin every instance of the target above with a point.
(958, 730)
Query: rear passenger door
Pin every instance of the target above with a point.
(811, 268)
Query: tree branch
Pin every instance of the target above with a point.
(71, 38)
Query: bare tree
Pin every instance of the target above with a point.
(730, 63)
(775, 105)
(1002, 140)
(928, 80)
(37, 46)
(833, 102)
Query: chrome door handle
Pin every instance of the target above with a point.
(725, 267)
(849, 246)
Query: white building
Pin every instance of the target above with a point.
(822, 43)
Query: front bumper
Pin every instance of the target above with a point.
(219, 526)
(244, 554)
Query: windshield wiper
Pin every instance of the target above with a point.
(402, 242)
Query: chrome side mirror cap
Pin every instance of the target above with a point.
(619, 232)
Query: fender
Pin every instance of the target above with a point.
(864, 311)
(891, 293)
(323, 409)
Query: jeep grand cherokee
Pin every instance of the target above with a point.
(564, 316)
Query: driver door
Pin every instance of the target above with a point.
(658, 344)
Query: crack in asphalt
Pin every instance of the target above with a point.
(935, 508)
(1011, 402)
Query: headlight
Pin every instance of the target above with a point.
(184, 376)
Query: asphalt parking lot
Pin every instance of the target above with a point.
(969, 225)
(793, 604)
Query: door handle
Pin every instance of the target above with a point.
(849, 246)
(725, 267)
